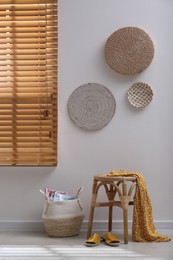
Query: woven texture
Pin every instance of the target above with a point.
(129, 50)
(140, 95)
(91, 106)
(63, 227)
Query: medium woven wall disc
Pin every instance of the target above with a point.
(91, 106)
(129, 50)
(140, 95)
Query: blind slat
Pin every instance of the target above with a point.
(28, 68)
(37, 73)
(37, 85)
(28, 29)
(27, 2)
(35, 24)
(38, 12)
(28, 35)
(28, 41)
(27, 55)
(25, 18)
(33, 7)
(19, 46)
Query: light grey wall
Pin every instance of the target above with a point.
(134, 140)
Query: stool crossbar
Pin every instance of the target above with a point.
(112, 185)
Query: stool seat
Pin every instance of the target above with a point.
(112, 185)
(106, 178)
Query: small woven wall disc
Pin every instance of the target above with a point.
(129, 50)
(140, 95)
(91, 106)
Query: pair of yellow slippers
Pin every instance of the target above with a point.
(108, 239)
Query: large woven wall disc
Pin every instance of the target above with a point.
(129, 50)
(140, 95)
(91, 106)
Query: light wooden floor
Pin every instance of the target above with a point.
(20, 245)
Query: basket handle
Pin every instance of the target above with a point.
(79, 191)
(46, 207)
(42, 192)
(80, 206)
(77, 196)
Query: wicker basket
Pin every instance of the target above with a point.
(63, 218)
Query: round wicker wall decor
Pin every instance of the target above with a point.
(91, 106)
(129, 50)
(140, 95)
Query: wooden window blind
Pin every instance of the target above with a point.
(28, 82)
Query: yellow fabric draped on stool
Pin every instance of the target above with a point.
(143, 228)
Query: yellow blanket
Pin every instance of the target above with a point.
(143, 229)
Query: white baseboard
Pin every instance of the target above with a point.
(97, 225)
(103, 225)
(22, 225)
(118, 225)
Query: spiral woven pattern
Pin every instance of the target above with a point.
(91, 106)
(140, 95)
(129, 50)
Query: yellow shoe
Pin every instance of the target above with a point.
(111, 239)
(93, 240)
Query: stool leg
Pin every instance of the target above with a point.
(110, 210)
(125, 219)
(110, 218)
(125, 214)
(92, 207)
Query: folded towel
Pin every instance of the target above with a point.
(143, 228)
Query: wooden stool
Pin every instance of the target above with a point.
(113, 185)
